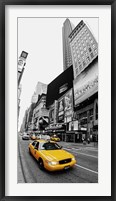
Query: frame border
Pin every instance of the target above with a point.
(3, 3)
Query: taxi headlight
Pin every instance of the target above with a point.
(53, 163)
(73, 159)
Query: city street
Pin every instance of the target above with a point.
(84, 171)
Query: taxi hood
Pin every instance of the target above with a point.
(56, 155)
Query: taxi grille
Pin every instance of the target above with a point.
(65, 161)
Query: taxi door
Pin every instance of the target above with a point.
(36, 150)
(33, 148)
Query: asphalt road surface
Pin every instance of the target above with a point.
(84, 171)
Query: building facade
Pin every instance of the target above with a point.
(76, 110)
(84, 47)
(40, 114)
(60, 103)
(67, 57)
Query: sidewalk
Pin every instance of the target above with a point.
(91, 144)
(20, 178)
(74, 144)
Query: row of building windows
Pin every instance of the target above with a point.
(84, 49)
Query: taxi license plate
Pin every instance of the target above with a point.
(66, 167)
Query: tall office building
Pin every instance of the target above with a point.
(66, 30)
(40, 88)
(84, 48)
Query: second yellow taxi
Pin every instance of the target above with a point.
(55, 138)
(50, 155)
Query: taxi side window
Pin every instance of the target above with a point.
(36, 145)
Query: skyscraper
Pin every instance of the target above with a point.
(66, 30)
(40, 88)
(84, 48)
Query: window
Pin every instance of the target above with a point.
(92, 55)
(88, 59)
(89, 49)
(80, 67)
(95, 51)
(34, 143)
(84, 63)
(51, 146)
(77, 71)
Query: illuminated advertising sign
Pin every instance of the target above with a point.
(61, 109)
(86, 84)
(73, 125)
(68, 106)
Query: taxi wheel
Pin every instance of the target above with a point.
(40, 163)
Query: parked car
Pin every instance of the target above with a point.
(25, 137)
(50, 155)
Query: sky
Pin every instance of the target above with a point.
(41, 38)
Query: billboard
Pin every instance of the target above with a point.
(61, 110)
(59, 86)
(86, 84)
(22, 60)
(73, 126)
(68, 106)
(51, 115)
(24, 54)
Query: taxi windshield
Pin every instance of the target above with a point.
(50, 146)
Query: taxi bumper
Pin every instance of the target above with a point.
(59, 166)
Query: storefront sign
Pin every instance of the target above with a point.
(83, 129)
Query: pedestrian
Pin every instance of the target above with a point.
(82, 139)
(88, 140)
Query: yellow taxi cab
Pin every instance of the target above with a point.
(55, 138)
(50, 155)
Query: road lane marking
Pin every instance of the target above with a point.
(93, 149)
(86, 169)
(81, 153)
